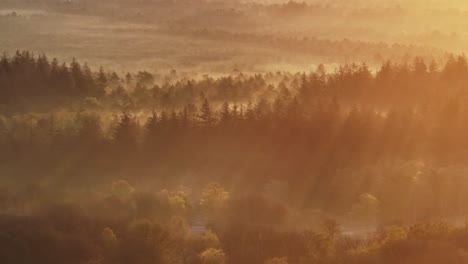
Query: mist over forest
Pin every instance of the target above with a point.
(227, 132)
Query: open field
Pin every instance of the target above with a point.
(196, 48)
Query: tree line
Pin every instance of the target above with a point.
(26, 79)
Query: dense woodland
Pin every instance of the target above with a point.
(128, 226)
(416, 85)
(233, 132)
(92, 164)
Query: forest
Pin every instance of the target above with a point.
(233, 132)
(106, 168)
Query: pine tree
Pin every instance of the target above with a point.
(206, 115)
(101, 82)
(77, 76)
(126, 131)
(225, 114)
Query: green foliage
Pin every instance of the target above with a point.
(213, 256)
(122, 189)
(213, 197)
(177, 201)
(91, 103)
